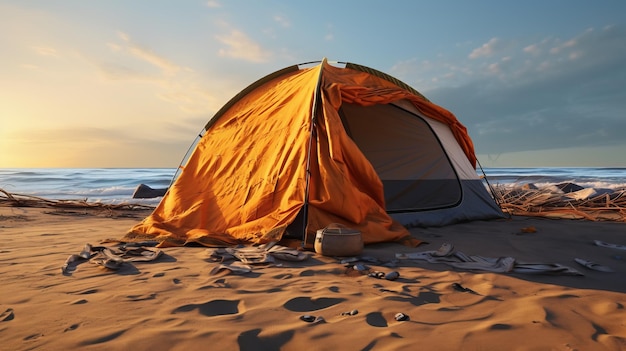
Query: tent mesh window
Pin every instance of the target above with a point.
(406, 154)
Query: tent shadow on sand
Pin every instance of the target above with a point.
(557, 241)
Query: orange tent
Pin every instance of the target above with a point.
(278, 159)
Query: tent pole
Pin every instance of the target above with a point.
(316, 98)
(183, 162)
(494, 195)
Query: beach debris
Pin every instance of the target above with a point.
(70, 264)
(350, 260)
(86, 251)
(444, 250)
(400, 317)
(609, 245)
(377, 274)
(235, 267)
(22, 200)
(566, 200)
(393, 275)
(460, 260)
(150, 243)
(287, 254)
(110, 257)
(594, 266)
(112, 263)
(360, 267)
(350, 313)
(307, 318)
(319, 320)
(250, 254)
(7, 315)
(558, 201)
(261, 254)
(219, 255)
(544, 268)
(312, 319)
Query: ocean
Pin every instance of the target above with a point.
(116, 185)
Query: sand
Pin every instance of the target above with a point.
(175, 303)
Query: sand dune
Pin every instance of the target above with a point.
(176, 303)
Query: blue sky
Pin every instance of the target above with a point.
(131, 83)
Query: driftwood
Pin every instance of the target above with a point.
(8, 199)
(589, 204)
(516, 200)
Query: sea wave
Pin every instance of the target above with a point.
(116, 185)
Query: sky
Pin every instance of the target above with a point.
(131, 83)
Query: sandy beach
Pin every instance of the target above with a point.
(180, 301)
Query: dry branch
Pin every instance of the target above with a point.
(8, 199)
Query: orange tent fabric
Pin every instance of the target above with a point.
(245, 182)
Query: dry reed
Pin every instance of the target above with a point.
(546, 202)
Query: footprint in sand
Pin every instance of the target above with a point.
(84, 292)
(307, 304)
(307, 273)
(72, 327)
(79, 302)
(103, 338)
(380, 320)
(142, 297)
(250, 340)
(7, 315)
(501, 326)
(212, 308)
(376, 319)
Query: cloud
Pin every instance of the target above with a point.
(532, 49)
(148, 56)
(173, 83)
(550, 94)
(213, 4)
(330, 36)
(487, 49)
(46, 51)
(130, 62)
(240, 46)
(282, 21)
